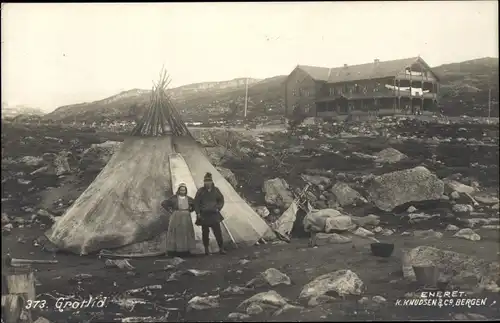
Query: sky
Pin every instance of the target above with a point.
(59, 54)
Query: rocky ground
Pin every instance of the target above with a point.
(45, 169)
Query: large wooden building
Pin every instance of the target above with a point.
(399, 86)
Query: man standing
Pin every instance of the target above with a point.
(207, 204)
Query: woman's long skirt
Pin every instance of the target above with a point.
(180, 234)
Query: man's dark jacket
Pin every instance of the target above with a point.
(207, 205)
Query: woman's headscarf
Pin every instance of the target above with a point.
(181, 185)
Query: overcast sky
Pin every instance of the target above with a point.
(58, 54)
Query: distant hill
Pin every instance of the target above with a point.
(465, 85)
(17, 110)
(129, 104)
(464, 90)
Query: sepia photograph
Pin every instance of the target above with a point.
(250, 161)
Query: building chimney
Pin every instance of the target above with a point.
(376, 60)
(345, 65)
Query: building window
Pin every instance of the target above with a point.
(294, 92)
(332, 91)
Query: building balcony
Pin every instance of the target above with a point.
(378, 95)
(416, 78)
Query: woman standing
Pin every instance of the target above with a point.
(180, 234)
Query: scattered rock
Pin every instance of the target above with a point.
(31, 161)
(397, 188)
(197, 273)
(316, 179)
(387, 232)
(417, 217)
(345, 195)
(468, 234)
(61, 163)
(496, 207)
(328, 238)
(342, 282)
(278, 193)
(254, 309)
(203, 302)
(427, 234)
(462, 209)
(5, 218)
(228, 175)
(262, 211)
(411, 209)
(451, 227)
(118, 263)
(364, 300)
(455, 195)
(451, 185)
(362, 232)
(243, 261)
(378, 230)
(379, 299)
(272, 277)
(269, 298)
(390, 156)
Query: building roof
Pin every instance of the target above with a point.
(359, 72)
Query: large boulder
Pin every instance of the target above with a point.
(228, 175)
(393, 189)
(327, 220)
(453, 266)
(345, 195)
(98, 155)
(278, 192)
(61, 163)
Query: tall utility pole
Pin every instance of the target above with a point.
(246, 96)
(489, 104)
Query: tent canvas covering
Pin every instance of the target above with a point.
(121, 209)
